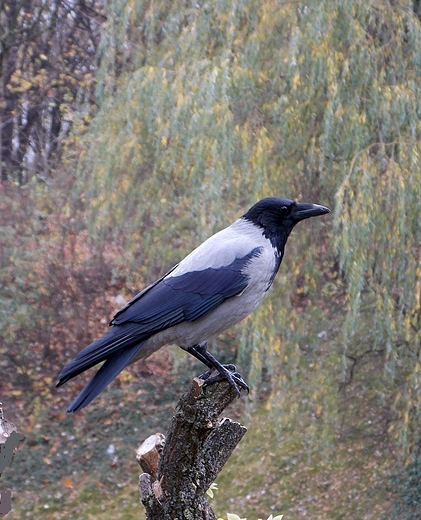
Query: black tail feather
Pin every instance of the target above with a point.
(117, 339)
(109, 370)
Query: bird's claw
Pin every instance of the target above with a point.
(229, 374)
(208, 373)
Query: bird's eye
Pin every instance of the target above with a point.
(284, 210)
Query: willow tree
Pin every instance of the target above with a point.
(207, 106)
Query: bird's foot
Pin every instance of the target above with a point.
(206, 375)
(228, 373)
(217, 372)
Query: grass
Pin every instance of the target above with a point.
(279, 475)
(84, 467)
(266, 474)
(262, 477)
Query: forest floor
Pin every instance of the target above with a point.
(84, 466)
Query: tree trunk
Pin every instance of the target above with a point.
(196, 447)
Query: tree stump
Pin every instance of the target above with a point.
(196, 447)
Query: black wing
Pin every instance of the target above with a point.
(167, 302)
(174, 299)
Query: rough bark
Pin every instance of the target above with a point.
(197, 445)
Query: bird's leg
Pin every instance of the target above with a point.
(228, 372)
(200, 352)
(211, 361)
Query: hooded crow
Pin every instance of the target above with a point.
(213, 288)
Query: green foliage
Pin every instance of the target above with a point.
(210, 491)
(203, 108)
(206, 108)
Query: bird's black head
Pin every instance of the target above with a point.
(278, 216)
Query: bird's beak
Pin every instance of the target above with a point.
(304, 210)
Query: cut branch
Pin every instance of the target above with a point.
(197, 446)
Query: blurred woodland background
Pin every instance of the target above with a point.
(132, 130)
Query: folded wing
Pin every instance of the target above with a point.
(169, 301)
